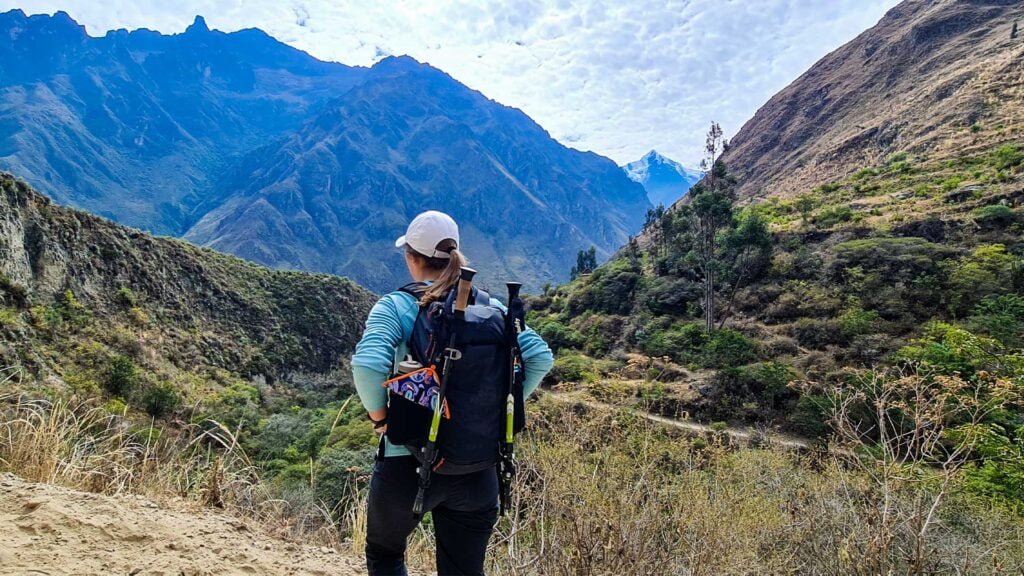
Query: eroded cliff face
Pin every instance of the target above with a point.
(191, 306)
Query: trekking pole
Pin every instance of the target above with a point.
(451, 354)
(507, 464)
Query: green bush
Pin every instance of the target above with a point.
(763, 385)
(1001, 317)
(951, 183)
(727, 348)
(817, 333)
(340, 473)
(608, 290)
(801, 298)
(127, 298)
(832, 215)
(670, 296)
(160, 399)
(894, 258)
(71, 310)
(122, 377)
(810, 415)
(986, 271)
(237, 407)
(682, 341)
(559, 336)
(857, 321)
(1007, 157)
(995, 215)
(600, 333)
(574, 368)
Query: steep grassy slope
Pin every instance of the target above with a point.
(858, 275)
(884, 250)
(933, 78)
(80, 292)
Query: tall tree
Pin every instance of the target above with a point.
(713, 145)
(586, 262)
(726, 250)
(710, 211)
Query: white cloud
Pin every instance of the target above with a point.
(618, 78)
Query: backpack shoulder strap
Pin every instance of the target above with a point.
(415, 289)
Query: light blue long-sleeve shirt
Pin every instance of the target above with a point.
(383, 345)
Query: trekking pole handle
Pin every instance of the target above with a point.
(513, 290)
(465, 288)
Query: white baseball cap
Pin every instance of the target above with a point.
(428, 231)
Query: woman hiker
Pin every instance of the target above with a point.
(464, 507)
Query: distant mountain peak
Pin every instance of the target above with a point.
(664, 179)
(198, 26)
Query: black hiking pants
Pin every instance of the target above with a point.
(464, 509)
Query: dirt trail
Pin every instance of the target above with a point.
(49, 530)
(743, 434)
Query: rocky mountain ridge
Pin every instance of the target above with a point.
(246, 144)
(934, 78)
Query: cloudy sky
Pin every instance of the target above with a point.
(618, 77)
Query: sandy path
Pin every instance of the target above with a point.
(49, 530)
(743, 434)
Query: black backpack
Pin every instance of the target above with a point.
(477, 386)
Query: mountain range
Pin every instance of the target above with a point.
(240, 142)
(937, 79)
(664, 179)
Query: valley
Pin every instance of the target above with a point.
(809, 360)
(244, 144)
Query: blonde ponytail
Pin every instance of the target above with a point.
(450, 271)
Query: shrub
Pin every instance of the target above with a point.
(894, 258)
(559, 336)
(800, 298)
(670, 296)
(1007, 157)
(682, 341)
(832, 215)
(1002, 317)
(817, 333)
(763, 386)
(9, 317)
(138, 316)
(810, 416)
(574, 368)
(600, 333)
(857, 321)
(995, 215)
(236, 406)
(340, 474)
(160, 399)
(726, 348)
(609, 289)
(71, 309)
(122, 377)
(126, 297)
(954, 351)
(985, 271)
(952, 183)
